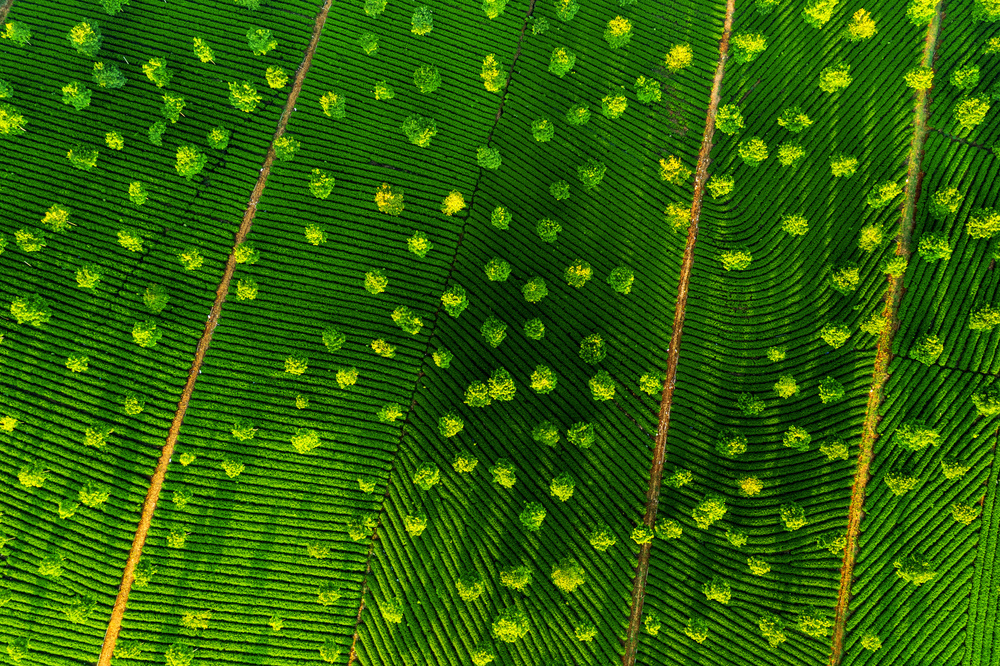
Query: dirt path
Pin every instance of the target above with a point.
(4, 8)
(660, 452)
(914, 178)
(153, 494)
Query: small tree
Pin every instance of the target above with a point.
(870, 641)
(987, 402)
(747, 46)
(390, 412)
(488, 158)
(191, 259)
(621, 279)
(334, 103)
(720, 185)
(426, 78)
(108, 76)
(736, 260)
(450, 424)
(602, 386)
(568, 574)
(679, 478)
(614, 103)
(915, 569)
(561, 61)
(244, 96)
(376, 281)
(285, 148)
(915, 436)
(643, 535)
(753, 151)
(593, 349)
(965, 513)
(86, 38)
(813, 622)
(510, 625)
(971, 111)
(618, 32)
(790, 153)
(750, 405)
(407, 320)
(834, 449)
(843, 166)
(673, 170)
(12, 121)
(835, 335)
(157, 72)
(717, 589)
(758, 566)
(709, 510)
(861, 27)
(504, 473)
(415, 524)
(146, 334)
(900, 482)
(818, 12)
(17, 32)
(389, 200)
(578, 114)
(547, 228)
(31, 310)
(581, 435)
(422, 21)
(179, 654)
(882, 194)
(494, 331)
(678, 57)
(591, 174)
(76, 94)
(543, 380)
(562, 487)
(190, 161)
(651, 382)
(532, 516)
(983, 223)
(470, 586)
(648, 91)
(668, 529)
(750, 486)
(919, 77)
(728, 119)
(419, 130)
(945, 202)
(203, 51)
(835, 78)
(934, 246)
(845, 279)
(455, 300)
(920, 12)
(534, 329)
(305, 440)
(927, 349)
(546, 433)
(736, 538)
(830, 390)
(501, 217)
(578, 273)
(697, 630)
(465, 463)
(794, 119)
(602, 538)
(501, 385)
(260, 41)
(793, 516)
(493, 78)
(729, 444)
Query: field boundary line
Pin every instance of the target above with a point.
(156, 483)
(631, 642)
(893, 296)
(984, 606)
(451, 270)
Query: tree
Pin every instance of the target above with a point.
(578, 273)
(835, 335)
(415, 524)
(602, 386)
(678, 215)
(376, 281)
(562, 487)
(327, 594)
(31, 310)
(146, 334)
(560, 191)
(983, 223)
(843, 165)
(736, 260)
(945, 202)
(321, 184)
(33, 475)
(758, 566)
(986, 10)
(870, 641)
(648, 91)
(720, 185)
(984, 319)
(736, 538)
(191, 259)
(374, 8)
(971, 111)
(749, 405)
(900, 482)
(546, 433)
(407, 320)
(927, 349)
(652, 623)
(500, 218)
(493, 78)
(504, 473)
(455, 300)
(389, 200)
(728, 119)
(76, 95)
(156, 131)
(585, 631)
(882, 194)
(133, 404)
(813, 622)
(190, 161)
(510, 625)
(12, 121)
(750, 486)
(934, 246)
(244, 96)
(794, 119)
(679, 478)
(965, 78)
(915, 569)
(578, 114)
(753, 151)
(334, 104)
(285, 148)
(108, 76)
(830, 390)
(389, 412)
(593, 349)
(532, 516)
(786, 386)
(673, 170)
(203, 51)
(845, 279)
(157, 72)
(861, 27)
(818, 12)
(483, 653)
(470, 586)
(835, 78)
(668, 529)
(347, 376)
(561, 61)
(747, 46)
(614, 103)
(260, 41)
(493, 8)
(173, 106)
(501, 385)
(155, 298)
(920, 12)
(965, 513)
(581, 435)
(77, 363)
(179, 654)
(915, 436)
(368, 41)
(678, 57)
(618, 32)
(543, 380)
(86, 38)
(497, 270)
(790, 153)
(697, 630)
(426, 78)
(709, 510)
(795, 225)
(601, 538)
(488, 158)
(305, 440)
(987, 402)
(566, 9)
(465, 463)
(83, 158)
(534, 329)
(729, 444)
(314, 234)
(494, 331)
(422, 21)
(793, 516)
(442, 357)
(17, 32)
(834, 449)
(717, 589)
(450, 424)
(919, 77)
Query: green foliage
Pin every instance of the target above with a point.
(835, 335)
(260, 41)
(173, 106)
(709, 510)
(442, 358)
(17, 32)
(510, 625)
(543, 130)
(602, 538)
(915, 436)
(497, 270)
(334, 103)
(82, 158)
(415, 524)
(578, 273)
(786, 386)
(668, 529)
(179, 654)
(581, 434)
(305, 440)
(12, 121)
(648, 91)
(720, 185)
(578, 114)
(920, 12)
(984, 319)
(729, 444)
(736, 260)
(794, 119)
(422, 21)
(870, 238)
(728, 119)
(753, 151)
(934, 246)
(155, 298)
(374, 8)
(501, 217)
(202, 50)
(793, 516)
(987, 402)
(843, 165)
(156, 131)
(900, 482)
(470, 586)
(585, 631)
(919, 77)
(747, 46)
(426, 78)
(532, 516)
(758, 566)
(407, 320)
(562, 486)
(465, 463)
(488, 158)
(835, 78)
(504, 473)
(285, 148)
(643, 535)
(190, 161)
(983, 223)
(566, 9)
(375, 282)
(494, 331)
(882, 194)
(679, 478)
(543, 380)
(965, 513)
(368, 41)
(945, 202)
(108, 76)
(830, 390)
(86, 38)
(602, 386)
(157, 72)
(818, 12)
(32, 310)
(392, 610)
(971, 111)
(547, 228)
(516, 577)
(736, 538)
(776, 354)
(652, 623)
(244, 96)
(483, 653)
(145, 334)
(845, 279)
(834, 449)
(790, 153)
(717, 589)
(927, 349)
(965, 77)
(652, 382)
(546, 433)
(593, 348)
(455, 300)
(870, 641)
(954, 469)
(915, 569)
(591, 174)
(450, 424)
(501, 385)
(618, 32)
(750, 405)
(77, 363)
(697, 628)
(534, 329)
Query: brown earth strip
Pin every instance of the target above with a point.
(894, 294)
(659, 453)
(371, 549)
(4, 8)
(153, 494)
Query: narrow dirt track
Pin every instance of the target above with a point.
(4, 9)
(156, 484)
(660, 451)
(894, 294)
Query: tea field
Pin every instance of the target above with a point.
(353, 320)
